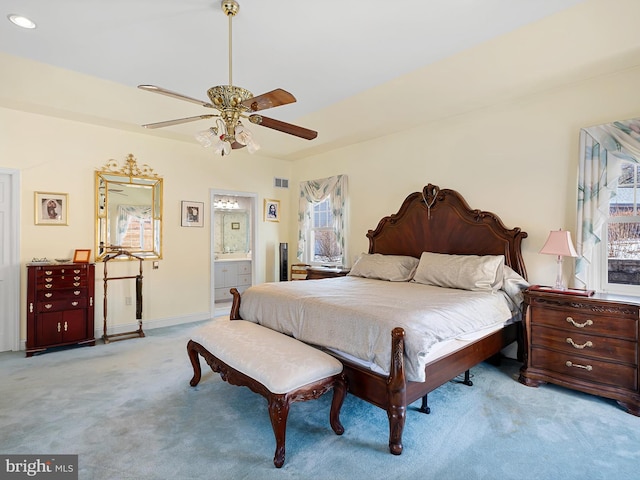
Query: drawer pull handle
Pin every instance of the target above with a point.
(48, 285)
(588, 368)
(58, 326)
(76, 271)
(76, 284)
(76, 278)
(48, 305)
(589, 344)
(579, 325)
(75, 304)
(48, 295)
(48, 279)
(30, 307)
(65, 326)
(76, 292)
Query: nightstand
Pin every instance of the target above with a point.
(588, 344)
(315, 273)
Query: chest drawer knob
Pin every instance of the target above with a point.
(588, 343)
(588, 368)
(579, 325)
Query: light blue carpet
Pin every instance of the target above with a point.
(128, 411)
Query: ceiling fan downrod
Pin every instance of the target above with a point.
(230, 9)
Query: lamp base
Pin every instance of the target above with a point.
(559, 282)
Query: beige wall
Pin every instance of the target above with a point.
(518, 159)
(57, 155)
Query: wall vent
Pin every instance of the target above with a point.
(281, 182)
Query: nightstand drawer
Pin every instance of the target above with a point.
(575, 343)
(588, 369)
(584, 321)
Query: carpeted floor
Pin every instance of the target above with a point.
(128, 411)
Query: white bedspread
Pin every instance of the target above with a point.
(356, 315)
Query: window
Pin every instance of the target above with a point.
(134, 227)
(622, 246)
(323, 241)
(608, 220)
(322, 221)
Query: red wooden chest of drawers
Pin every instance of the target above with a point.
(60, 306)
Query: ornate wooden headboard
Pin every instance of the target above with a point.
(441, 221)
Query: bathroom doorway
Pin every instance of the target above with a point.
(233, 232)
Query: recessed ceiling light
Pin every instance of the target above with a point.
(21, 21)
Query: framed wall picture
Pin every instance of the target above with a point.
(192, 214)
(271, 210)
(51, 208)
(81, 256)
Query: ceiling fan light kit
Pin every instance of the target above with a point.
(233, 104)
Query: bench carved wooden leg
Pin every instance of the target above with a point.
(278, 413)
(195, 362)
(339, 394)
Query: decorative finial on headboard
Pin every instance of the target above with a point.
(429, 194)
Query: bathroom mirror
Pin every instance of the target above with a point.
(128, 210)
(235, 232)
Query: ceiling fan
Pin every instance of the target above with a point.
(233, 104)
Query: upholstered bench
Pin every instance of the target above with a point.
(278, 367)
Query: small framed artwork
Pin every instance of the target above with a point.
(192, 214)
(235, 225)
(81, 256)
(51, 208)
(271, 210)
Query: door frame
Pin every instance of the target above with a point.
(13, 287)
(253, 238)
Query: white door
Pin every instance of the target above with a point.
(9, 265)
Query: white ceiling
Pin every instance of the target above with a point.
(322, 51)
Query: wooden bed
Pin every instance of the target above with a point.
(440, 221)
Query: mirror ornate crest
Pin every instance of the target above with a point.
(128, 210)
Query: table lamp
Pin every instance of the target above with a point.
(559, 243)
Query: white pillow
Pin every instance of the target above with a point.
(467, 272)
(393, 268)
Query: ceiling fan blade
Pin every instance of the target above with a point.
(283, 127)
(179, 96)
(271, 99)
(178, 121)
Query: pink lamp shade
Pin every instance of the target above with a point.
(559, 243)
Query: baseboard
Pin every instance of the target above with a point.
(151, 324)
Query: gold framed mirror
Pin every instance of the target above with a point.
(128, 210)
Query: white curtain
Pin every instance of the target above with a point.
(602, 150)
(125, 214)
(315, 191)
